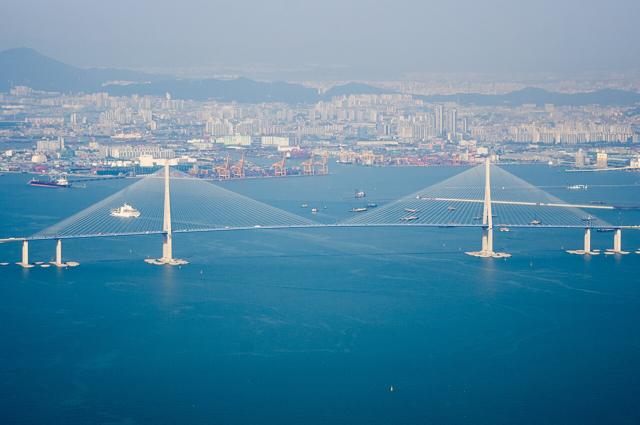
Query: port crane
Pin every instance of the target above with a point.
(237, 170)
(223, 170)
(308, 168)
(279, 168)
(323, 163)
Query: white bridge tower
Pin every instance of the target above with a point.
(487, 220)
(167, 234)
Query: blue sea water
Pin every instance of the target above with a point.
(316, 326)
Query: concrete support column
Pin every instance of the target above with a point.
(587, 240)
(167, 247)
(485, 239)
(490, 240)
(617, 241)
(25, 255)
(25, 252)
(58, 253)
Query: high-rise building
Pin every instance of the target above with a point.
(235, 140)
(274, 141)
(602, 160)
(439, 120)
(580, 159)
(50, 145)
(452, 121)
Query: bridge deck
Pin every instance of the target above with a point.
(308, 226)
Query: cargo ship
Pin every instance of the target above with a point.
(58, 183)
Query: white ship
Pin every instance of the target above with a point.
(126, 211)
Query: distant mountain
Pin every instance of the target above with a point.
(27, 67)
(353, 88)
(530, 95)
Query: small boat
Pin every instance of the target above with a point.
(372, 205)
(451, 208)
(411, 210)
(409, 218)
(314, 210)
(477, 218)
(125, 211)
(535, 222)
(606, 230)
(304, 205)
(588, 218)
(360, 194)
(504, 229)
(357, 210)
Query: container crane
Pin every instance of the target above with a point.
(279, 168)
(223, 170)
(237, 170)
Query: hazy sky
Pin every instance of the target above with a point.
(388, 35)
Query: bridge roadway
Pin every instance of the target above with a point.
(311, 226)
(532, 204)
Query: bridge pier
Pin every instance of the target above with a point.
(587, 245)
(617, 244)
(58, 261)
(487, 246)
(25, 255)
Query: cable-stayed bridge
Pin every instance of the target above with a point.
(170, 201)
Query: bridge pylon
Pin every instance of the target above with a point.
(167, 234)
(487, 220)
